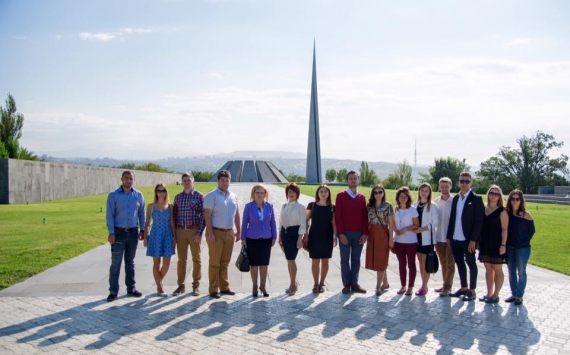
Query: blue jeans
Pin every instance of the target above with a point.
(462, 255)
(125, 246)
(516, 263)
(350, 258)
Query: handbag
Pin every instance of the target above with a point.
(242, 262)
(432, 263)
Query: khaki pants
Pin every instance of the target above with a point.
(447, 264)
(220, 255)
(185, 238)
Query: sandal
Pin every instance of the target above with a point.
(409, 291)
(316, 288)
(402, 291)
(321, 288)
(384, 288)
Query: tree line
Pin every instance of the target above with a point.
(525, 166)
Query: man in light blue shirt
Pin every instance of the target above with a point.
(221, 211)
(125, 208)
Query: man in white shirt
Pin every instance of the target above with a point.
(444, 203)
(465, 225)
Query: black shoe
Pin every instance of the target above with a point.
(469, 296)
(458, 293)
(228, 292)
(510, 299)
(112, 297)
(215, 295)
(264, 292)
(518, 301)
(134, 293)
(346, 290)
(180, 290)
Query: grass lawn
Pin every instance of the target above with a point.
(74, 226)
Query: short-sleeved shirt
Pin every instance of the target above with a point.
(223, 207)
(404, 218)
(382, 214)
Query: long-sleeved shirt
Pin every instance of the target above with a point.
(350, 213)
(294, 214)
(124, 209)
(189, 210)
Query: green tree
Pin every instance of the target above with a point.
(527, 166)
(341, 175)
(296, 178)
(330, 175)
(145, 167)
(402, 176)
(203, 176)
(11, 123)
(368, 176)
(450, 167)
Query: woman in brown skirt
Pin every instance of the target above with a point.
(380, 236)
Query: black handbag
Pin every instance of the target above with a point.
(242, 262)
(432, 263)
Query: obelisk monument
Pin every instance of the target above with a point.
(314, 172)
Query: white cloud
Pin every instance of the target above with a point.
(100, 36)
(119, 34)
(520, 42)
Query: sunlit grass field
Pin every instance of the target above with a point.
(74, 226)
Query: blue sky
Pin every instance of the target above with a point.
(153, 79)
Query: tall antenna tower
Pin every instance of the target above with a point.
(415, 151)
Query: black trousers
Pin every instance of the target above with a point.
(462, 256)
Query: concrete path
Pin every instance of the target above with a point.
(64, 310)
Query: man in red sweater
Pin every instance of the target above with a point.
(351, 219)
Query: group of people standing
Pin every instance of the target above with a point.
(455, 226)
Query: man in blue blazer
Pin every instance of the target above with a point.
(465, 224)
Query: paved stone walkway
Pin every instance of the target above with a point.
(63, 310)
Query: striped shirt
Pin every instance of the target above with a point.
(189, 210)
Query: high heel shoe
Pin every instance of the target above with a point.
(254, 292)
(264, 292)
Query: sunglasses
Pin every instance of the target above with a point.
(464, 181)
(515, 199)
(491, 193)
(378, 192)
(160, 191)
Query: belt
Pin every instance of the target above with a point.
(186, 227)
(126, 230)
(222, 229)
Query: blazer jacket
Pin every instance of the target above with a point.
(253, 228)
(471, 219)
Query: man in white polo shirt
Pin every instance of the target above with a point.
(221, 211)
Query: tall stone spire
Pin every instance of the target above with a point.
(314, 172)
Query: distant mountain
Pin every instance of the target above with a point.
(288, 162)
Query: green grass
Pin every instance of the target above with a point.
(74, 226)
(550, 244)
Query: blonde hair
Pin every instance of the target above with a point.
(259, 186)
(501, 197)
(425, 184)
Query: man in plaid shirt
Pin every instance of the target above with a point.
(190, 225)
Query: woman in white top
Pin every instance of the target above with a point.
(293, 226)
(406, 241)
(426, 232)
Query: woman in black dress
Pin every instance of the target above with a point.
(492, 245)
(320, 236)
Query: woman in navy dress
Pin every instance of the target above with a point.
(160, 242)
(259, 233)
